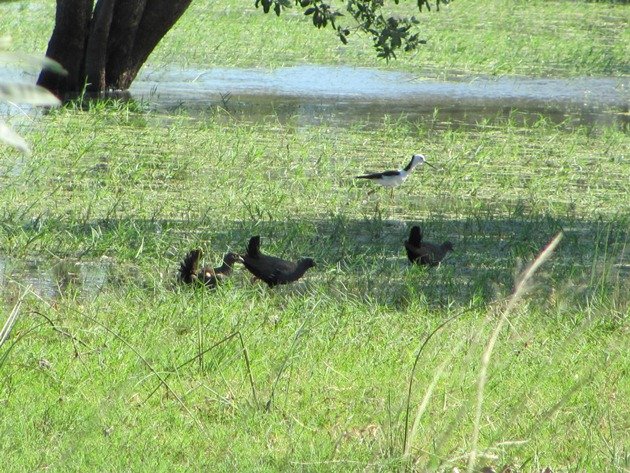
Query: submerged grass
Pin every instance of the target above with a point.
(137, 373)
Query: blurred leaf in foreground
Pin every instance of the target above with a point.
(27, 94)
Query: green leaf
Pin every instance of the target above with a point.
(32, 61)
(11, 138)
(27, 94)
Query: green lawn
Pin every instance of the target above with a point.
(139, 373)
(134, 192)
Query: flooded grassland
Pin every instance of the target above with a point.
(112, 365)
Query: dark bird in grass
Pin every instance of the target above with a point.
(423, 252)
(395, 178)
(190, 273)
(271, 269)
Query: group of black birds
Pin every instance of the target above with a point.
(274, 271)
(267, 268)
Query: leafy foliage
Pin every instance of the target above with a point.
(27, 94)
(389, 33)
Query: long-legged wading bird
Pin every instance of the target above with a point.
(395, 178)
(189, 271)
(423, 252)
(271, 269)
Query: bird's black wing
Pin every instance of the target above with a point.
(276, 277)
(376, 175)
(379, 175)
(285, 275)
(267, 267)
(188, 267)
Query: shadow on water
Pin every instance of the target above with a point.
(362, 259)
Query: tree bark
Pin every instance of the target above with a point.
(106, 48)
(122, 37)
(67, 46)
(96, 50)
(158, 18)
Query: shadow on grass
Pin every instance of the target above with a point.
(361, 258)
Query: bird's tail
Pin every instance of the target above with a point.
(188, 267)
(253, 247)
(415, 236)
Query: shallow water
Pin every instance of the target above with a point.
(342, 96)
(347, 83)
(53, 280)
(345, 95)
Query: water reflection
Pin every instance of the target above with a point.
(51, 281)
(342, 96)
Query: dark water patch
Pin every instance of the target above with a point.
(344, 95)
(52, 280)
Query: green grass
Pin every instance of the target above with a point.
(134, 191)
(490, 37)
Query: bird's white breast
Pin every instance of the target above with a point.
(393, 181)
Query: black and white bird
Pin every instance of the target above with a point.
(395, 178)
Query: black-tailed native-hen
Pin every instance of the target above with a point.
(271, 269)
(190, 273)
(424, 252)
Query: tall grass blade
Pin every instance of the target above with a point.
(406, 447)
(521, 288)
(10, 322)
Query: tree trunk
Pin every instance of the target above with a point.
(158, 18)
(103, 48)
(96, 49)
(122, 37)
(67, 46)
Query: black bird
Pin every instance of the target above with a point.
(208, 276)
(423, 252)
(271, 269)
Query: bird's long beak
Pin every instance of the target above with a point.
(429, 164)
